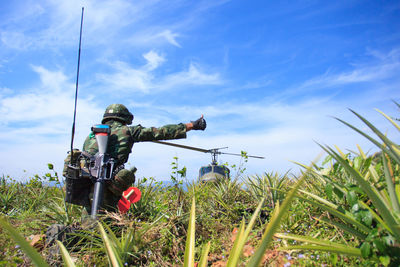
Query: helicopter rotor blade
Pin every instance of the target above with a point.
(212, 151)
(182, 146)
(233, 154)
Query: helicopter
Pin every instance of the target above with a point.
(212, 172)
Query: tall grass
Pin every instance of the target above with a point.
(363, 197)
(349, 206)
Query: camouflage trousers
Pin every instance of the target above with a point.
(113, 189)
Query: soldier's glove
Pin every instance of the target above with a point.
(199, 124)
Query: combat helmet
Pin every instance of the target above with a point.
(119, 112)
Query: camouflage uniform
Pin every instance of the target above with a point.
(120, 143)
(123, 137)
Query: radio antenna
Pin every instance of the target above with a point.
(76, 88)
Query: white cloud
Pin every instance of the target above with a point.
(128, 79)
(154, 60)
(170, 37)
(153, 36)
(125, 78)
(5, 91)
(52, 80)
(192, 76)
(56, 24)
(363, 74)
(15, 40)
(385, 66)
(114, 24)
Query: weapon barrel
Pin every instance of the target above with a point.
(97, 197)
(102, 132)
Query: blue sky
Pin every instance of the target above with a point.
(267, 76)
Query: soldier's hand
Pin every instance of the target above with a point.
(199, 124)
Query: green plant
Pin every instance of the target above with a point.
(269, 186)
(240, 168)
(177, 175)
(229, 198)
(129, 245)
(60, 213)
(367, 204)
(8, 193)
(149, 206)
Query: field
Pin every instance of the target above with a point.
(345, 211)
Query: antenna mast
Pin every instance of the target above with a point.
(76, 88)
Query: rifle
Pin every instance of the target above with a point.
(103, 166)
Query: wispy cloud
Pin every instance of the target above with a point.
(143, 79)
(45, 109)
(56, 24)
(193, 76)
(15, 40)
(154, 60)
(377, 71)
(359, 75)
(170, 37)
(125, 78)
(51, 80)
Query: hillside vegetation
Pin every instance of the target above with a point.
(343, 211)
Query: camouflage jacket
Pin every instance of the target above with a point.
(123, 137)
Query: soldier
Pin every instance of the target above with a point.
(120, 143)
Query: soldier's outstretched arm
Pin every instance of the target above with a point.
(167, 132)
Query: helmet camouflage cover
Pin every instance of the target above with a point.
(119, 112)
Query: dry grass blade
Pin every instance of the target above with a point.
(190, 239)
(204, 255)
(389, 119)
(241, 238)
(113, 257)
(342, 251)
(390, 183)
(344, 227)
(234, 254)
(319, 242)
(65, 255)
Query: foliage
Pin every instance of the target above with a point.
(362, 194)
(268, 186)
(176, 174)
(344, 212)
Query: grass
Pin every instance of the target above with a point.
(342, 212)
